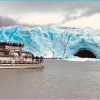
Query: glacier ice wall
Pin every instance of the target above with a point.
(55, 41)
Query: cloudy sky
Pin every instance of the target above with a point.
(50, 13)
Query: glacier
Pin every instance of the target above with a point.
(57, 42)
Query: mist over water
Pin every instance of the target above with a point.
(59, 79)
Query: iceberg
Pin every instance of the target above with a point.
(57, 42)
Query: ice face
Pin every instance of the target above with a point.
(53, 42)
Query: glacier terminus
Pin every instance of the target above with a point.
(55, 42)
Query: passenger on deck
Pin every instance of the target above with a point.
(13, 44)
(41, 59)
(26, 56)
(10, 44)
(20, 45)
(32, 57)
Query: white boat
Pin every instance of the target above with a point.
(13, 56)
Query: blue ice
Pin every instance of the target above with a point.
(55, 42)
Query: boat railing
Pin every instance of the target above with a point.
(36, 61)
(13, 48)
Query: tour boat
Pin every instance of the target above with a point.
(13, 56)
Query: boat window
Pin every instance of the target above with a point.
(15, 54)
(1, 53)
(29, 54)
(23, 54)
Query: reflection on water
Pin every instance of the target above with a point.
(57, 80)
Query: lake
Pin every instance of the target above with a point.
(59, 79)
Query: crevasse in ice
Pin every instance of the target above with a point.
(54, 41)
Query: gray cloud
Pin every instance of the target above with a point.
(87, 9)
(69, 9)
(6, 21)
(37, 25)
(19, 7)
(16, 7)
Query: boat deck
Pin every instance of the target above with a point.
(21, 66)
(13, 56)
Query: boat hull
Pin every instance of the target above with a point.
(21, 66)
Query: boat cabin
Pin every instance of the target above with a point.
(13, 54)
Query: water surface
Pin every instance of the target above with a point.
(59, 79)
